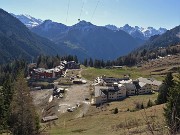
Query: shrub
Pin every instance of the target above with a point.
(116, 110)
(142, 106)
(137, 105)
(150, 103)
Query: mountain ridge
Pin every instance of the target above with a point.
(88, 40)
(139, 32)
(94, 40)
(17, 41)
(136, 31)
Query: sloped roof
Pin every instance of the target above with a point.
(49, 118)
(130, 86)
(141, 84)
(149, 81)
(103, 90)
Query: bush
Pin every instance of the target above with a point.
(150, 103)
(142, 106)
(138, 106)
(116, 110)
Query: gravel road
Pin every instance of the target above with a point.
(76, 94)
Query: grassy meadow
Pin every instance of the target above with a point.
(92, 73)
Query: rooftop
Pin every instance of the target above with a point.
(150, 81)
(102, 90)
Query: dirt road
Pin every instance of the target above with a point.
(76, 97)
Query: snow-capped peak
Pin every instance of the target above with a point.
(28, 20)
(138, 32)
(142, 33)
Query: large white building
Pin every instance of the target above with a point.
(109, 88)
(106, 93)
(109, 81)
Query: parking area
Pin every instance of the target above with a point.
(76, 95)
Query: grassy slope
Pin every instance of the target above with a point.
(97, 122)
(160, 67)
(92, 73)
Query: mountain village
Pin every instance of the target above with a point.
(102, 90)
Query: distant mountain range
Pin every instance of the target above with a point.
(17, 41)
(87, 40)
(169, 38)
(139, 32)
(83, 39)
(94, 41)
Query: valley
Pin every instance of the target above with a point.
(89, 67)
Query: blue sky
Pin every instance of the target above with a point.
(156, 13)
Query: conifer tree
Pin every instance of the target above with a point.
(91, 64)
(172, 109)
(23, 117)
(1, 110)
(150, 103)
(164, 89)
(75, 59)
(85, 62)
(5, 101)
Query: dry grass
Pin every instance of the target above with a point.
(160, 67)
(101, 121)
(173, 60)
(130, 102)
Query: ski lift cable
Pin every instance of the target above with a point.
(94, 10)
(81, 10)
(67, 11)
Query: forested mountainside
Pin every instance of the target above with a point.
(157, 46)
(17, 41)
(93, 41)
